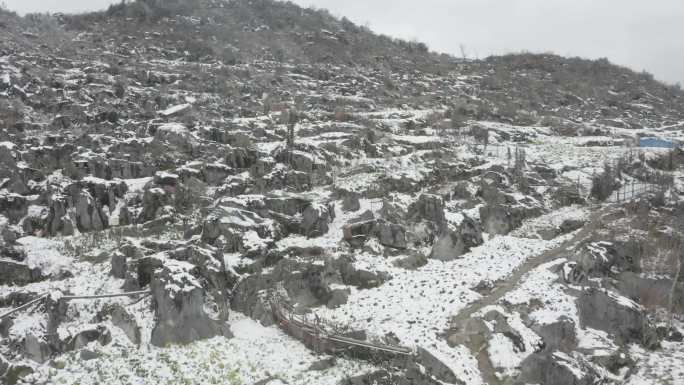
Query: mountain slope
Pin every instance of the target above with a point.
(248, 192)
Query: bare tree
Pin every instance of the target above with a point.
(677, 261)
(292, 120)
(464, 54)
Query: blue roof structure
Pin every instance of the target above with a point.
(656, 142)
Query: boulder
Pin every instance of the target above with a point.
(87, 355)
(499, 219)
(13, 206)
(453, 244)
(89, 215)
(324, 364)
(558, 368)
(411, 262)
(155, 199)
(600, 258)
(16, 373)
(350, 202)
(121, 318)
(474, 333)
(16, 273)
(436, 368)
(570, 225)
(211, 268)
(36, 348)
(98, 333)
(215, 174)
(250, 297)
(59, 219)
(315, 219)
(560, 335)
(428, 207)
(241, 158)
(177, 136)
(651, 291)
(179, 301)
(119, 265)
(389, 234)
(4, 365)
(614, 314)
(338, 297)
(297, 214)
(225, 226)
(362, 279)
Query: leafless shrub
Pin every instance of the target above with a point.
(603, 184)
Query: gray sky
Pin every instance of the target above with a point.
(643, 35)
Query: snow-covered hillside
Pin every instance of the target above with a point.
(174, 217)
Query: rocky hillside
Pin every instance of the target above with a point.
(176, 175)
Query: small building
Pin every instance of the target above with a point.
(656, 143)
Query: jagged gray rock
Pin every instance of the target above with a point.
(97, 333)
(179, 307)
(452, 244)
(613, 313)
(119, 265)
(559, 369)
(18, 273)
(122, 319)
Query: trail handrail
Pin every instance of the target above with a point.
(278, 306)
(24, 306)
(73, 298)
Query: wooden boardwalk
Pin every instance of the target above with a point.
(317, 336)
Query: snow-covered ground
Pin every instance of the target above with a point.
(256, 353)
(416, 306)
(662, 367)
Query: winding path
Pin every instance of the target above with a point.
(459, 321)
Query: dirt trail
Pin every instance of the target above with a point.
(459, 321)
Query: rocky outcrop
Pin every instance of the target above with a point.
(452, 244)
(13, 206)
(241, 158)
(226, 225)
(612, 313)
(17, 273)
(558, 368)
(97, 333)
(89, 216)
(179, 307)
(122, 319)
(158, 196)
(428, 207)
(215, 174)
(250, 297)
(389, 234)
(299, 215)
(560, 335)
(436, 368)
(4, 365)
(60, 220)
(37, 349)
(499, 219)
(600, 258)
(177, 136)
(315, 219)
(213, 275)
(119, 265)
(350, 202)
(88, 205)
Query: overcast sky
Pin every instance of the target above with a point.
(644, 35)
